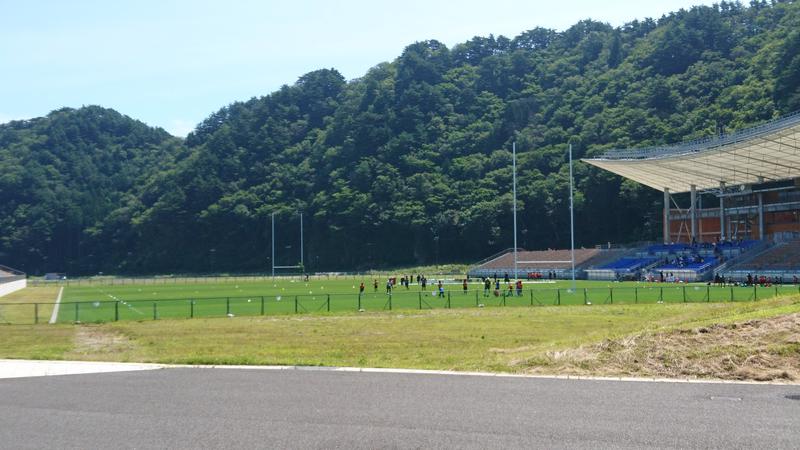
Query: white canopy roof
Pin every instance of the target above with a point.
(768, 152)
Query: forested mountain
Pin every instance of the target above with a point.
(67, 177)
(410, 163)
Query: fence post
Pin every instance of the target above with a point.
(36, 313)
(585, 297)
(191, 308)
(558, 296)
(227, 305)
(359, 301)
(531, 292)
(329, 302)
(116, 311)
(476, 298)
(295, 304)
(611, 294)
(390, 301)
(708, 293)
(731, 293)
(155, 311)
(636, 295)
(755, 292)
(661, 294)
(419, 294)
(448, 299)
(77, 312)
(684, 294)
(776, 290)
(262, 305)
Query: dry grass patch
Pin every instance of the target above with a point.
(98, 343)
(759, 349)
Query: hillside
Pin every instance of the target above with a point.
(64, 175)
(410, 164)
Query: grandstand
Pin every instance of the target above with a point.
(755, 176)
(752, 174)
(544, 263)
(11, 280)
(780, 261)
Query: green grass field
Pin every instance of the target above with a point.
(491, 339)
(142, 301)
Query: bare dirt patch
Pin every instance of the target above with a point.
(97, 342)
(760, 350)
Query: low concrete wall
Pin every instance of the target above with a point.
(13, 286)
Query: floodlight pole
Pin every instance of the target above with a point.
(301, 242)
(514, 189)
(273, 245)
(571, 220)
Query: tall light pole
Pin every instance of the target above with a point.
(571, 220)
(273, 245)
(301, 242)
(514, 190)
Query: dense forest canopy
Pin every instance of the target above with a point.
(409, 164)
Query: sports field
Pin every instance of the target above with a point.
(161, 299)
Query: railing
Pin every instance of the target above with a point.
(707, 143)
(138, 310)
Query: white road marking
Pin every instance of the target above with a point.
(54, 316)
(12, 368)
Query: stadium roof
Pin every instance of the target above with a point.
(767, 152)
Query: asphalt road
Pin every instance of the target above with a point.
(231, 408)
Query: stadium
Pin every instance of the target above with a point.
(730, 216)
(731, 209)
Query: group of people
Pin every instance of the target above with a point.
(765, 281)
(404, 281)
(487, 286)
(661, 277)
(551, 275)
(514, 287)
(683, 261)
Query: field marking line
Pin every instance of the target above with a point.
(117, 299)
(54, 316)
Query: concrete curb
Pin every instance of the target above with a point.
(13, 368)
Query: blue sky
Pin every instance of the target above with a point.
(172, 63)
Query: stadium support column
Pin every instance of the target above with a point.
(693, 212)
(722, 210)
(666, 215)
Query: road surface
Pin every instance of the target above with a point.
(244, 408)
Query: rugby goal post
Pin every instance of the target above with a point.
(272, 260)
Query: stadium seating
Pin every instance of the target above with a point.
(681, 261)
(784, 256)
(699, 266)
(629, 263)
(537, 262)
